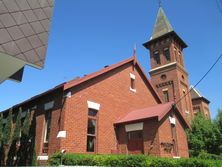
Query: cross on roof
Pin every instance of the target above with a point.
(160, 3)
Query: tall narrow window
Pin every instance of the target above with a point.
(166, 53)
(174, 137)
(180, 57)
(91, 130)
(47, 129)
(166, 95)
(196, 110)
(47, 126)
(132, 82)
(185, 101)
(157, 57)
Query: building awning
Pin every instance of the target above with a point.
(158, 111)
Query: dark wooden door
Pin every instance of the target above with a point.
(135, 142)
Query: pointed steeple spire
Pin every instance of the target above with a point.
(162, 25)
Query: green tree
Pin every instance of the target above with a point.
(218, 123)
(1, 138)
(8, 129)
(1, 129)
(203, 136)
(218, 120)
(7, 137)
(15, 140)
(33, 158)
(17, 130)
(32, 148)
(23, 152)
(26, 125)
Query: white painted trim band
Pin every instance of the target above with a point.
(157, 68)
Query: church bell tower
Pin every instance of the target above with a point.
(168, 73)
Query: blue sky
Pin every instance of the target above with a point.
(86, 35)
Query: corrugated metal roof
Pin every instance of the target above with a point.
(158, 111)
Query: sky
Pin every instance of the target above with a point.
(86, 35)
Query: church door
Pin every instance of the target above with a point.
(135, 142)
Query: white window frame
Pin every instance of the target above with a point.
(45, 131)
(133, 77)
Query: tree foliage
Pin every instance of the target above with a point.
(1, 128)
(26, 125)
(17, 130)
(218, 123)
(8, 129)
(1, 138)
(204, 136)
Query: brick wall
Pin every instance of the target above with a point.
(203, 107)
(166, 136)
(181, 139)
(112, 91)
(151, 137)
(176, 77)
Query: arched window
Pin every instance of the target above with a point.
(157, 57)
(166, 53)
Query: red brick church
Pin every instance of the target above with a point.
(118, 109)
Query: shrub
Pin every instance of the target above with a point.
(204, 155)
(130, 161)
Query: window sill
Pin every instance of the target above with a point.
(187, 112)
(133, 90)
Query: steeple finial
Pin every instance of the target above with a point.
(134, 50)
(160, 3)
(134, 55)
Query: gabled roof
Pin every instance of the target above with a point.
(162, 25)
(78, 81)
(60, 86)
(195, 94)
(158, 111)
(133, 60)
